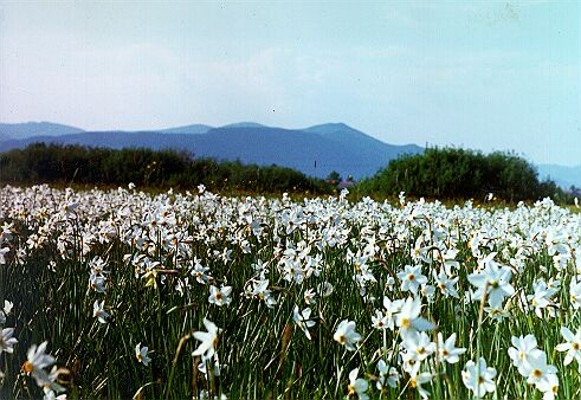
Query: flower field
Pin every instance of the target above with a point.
(123, 294)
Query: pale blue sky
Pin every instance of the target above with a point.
(488, 75)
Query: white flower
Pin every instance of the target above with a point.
(479, 378)
(418, 346)
(36, 361)
(301, 319)
(209, 340)
(494, 280)
(523, 350)
(7, 307)
(97, 282)
(357, 386)
(447, 351)
(200, 272)
(325, 289)
(572, 346)
(346, 335)
(391, 310)
(379, 320)
(309, 296)
(220, 296)
(549, 387)
(541, 298)
(446, 285)
(99, 311)
(575, 293)
(141, 354)
(3, 251)
(536, 368)
(411, 278)
(7, 342)
(409, 319)
(417, 379)
(387, 375)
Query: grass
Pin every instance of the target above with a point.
(150, 246)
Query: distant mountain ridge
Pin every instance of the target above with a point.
(30, 129)
(315, 151)
(563, 176)
(196, 129)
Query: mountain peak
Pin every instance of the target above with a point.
(194, 129)
(331, 126)
(33, 128)
(244, 124)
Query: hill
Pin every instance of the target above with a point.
(315, 151)
(31, 129)
(563, 176)
(195, 129)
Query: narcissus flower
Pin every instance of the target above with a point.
(302, 320)
(99, 311)
(409, 320)
(220, 296)
(572, 345)
(346, 335)
(387, 375)
(492, 282)
(479, 378)
(7, 342)
(357, 386)
(209, 340)
(141, 354)
(447, 351)
(524, 348)
(37, 360)
(411, 278)
(537, 370)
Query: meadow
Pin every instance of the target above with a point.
(124, 294)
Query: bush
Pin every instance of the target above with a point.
(460, 174)
(73, 164)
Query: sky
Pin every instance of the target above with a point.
(485, 75)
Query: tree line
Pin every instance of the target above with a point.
(75, 164)
(447, 173)
(461, 174)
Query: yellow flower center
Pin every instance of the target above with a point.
(351, 390)
(27, 367)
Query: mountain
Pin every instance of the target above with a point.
(31, 129)
(196, 129)
(316, 151)
(375, 151)
(564, 177)
(245, 125)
